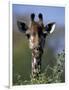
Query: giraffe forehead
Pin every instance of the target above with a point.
(34, 26)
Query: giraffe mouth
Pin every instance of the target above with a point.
(37, 52)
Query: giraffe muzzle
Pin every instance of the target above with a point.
(37, 52)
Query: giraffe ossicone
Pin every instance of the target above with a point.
(36, 33)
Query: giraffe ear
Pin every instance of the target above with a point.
(22, 26)
(50, 27)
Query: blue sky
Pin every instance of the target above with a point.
(50, 13)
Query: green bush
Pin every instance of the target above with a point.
(55, 74)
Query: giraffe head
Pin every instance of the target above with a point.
(36, 32)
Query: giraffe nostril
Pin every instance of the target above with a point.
(38, 48)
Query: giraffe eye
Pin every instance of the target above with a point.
(45, 34)
(28, 36)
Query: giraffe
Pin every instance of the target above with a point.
(36, 33)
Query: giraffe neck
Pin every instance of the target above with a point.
(36, 64)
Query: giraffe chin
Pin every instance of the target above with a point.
(37, 53)
(32, 46)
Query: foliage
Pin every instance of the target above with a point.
(55, 74)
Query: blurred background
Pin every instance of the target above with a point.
(55, 42)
